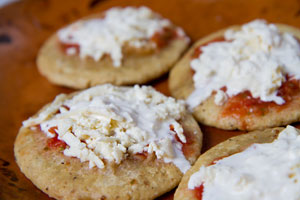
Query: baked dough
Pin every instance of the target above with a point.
(136, 68)
(224, 149)
(137, 177)
(181, 86)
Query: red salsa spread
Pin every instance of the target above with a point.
(162, 38)
(198, 50)
(244, 104)
(65, 47)
(187, 148)
(55, 142)
(198, 191)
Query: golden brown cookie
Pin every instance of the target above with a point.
(138, 65)
(138, 176)
(224, 149)
(233, 114)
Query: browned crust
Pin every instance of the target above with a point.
(137, 68)
(67, 178)
(181, 86)
(224, 149)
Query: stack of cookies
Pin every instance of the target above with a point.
(119, 139)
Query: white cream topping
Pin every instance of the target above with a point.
(120, 26)
(256, 58)
(263, 171)
(109, 122)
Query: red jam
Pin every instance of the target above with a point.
(162, 38)
(198, 50)
(186, 147)
(55, 142)
(244, 104)
(65, 47)
(216, 160)
(198, 191)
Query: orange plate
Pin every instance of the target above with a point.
(26, 24)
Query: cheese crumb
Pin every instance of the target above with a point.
(220, 97)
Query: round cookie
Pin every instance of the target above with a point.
(224, 149)
(181, 85)
(136, 177)
(138, 66)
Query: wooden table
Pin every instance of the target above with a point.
(26, 24)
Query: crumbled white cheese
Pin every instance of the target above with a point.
(120, 26)
(220, 97)
(109, 123)
(256, 58)
(262, 171)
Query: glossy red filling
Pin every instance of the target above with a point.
(244, 104)
(198, 50)
(55, 142)
(198, 191)
(186, 147)
(65, 47)
(162, 38)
